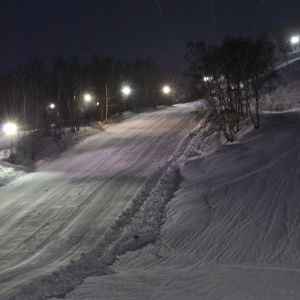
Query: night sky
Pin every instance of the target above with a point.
(128, 29)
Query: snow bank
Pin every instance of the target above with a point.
(10, 172)
(51, 147)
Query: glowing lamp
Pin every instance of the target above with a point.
(166, 89)
(10, 128)
(87, 97)
(126, 90)
(295, 39)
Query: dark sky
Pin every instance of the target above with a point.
(127, 29)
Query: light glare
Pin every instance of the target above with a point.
(295, 39)
(10, 128)
(207, 78)
(87, 97)
(166, 89)
(126, 90)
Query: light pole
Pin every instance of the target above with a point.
(295, 42)
(52, 106)
(10, 129)
(126, 91)
(166, 90)
(90, 106)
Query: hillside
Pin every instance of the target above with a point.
(230, 230)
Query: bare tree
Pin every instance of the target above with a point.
(228, 77)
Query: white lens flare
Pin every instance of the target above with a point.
(166, 89)
(10, 128)
(87, 97)
(126, 90)
(295, 39)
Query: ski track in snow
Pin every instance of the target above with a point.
(232, 231)
(51, 216)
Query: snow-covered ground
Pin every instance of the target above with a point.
(61, 211)
(232, 230)
(156, 207)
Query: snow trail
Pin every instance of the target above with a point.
(143, 218)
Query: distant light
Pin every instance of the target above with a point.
(207, 78)
(52, 105)
(126, 90)
(295, 39)
(97, 103)
(166, 89)
(87, 97)
(10, 128)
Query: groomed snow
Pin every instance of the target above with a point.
(65, 210)
(212, 220)
(232, 230)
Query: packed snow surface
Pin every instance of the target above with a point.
(61, 211)
(232, 230)
(157, 207)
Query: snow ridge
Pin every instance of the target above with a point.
(142, 219)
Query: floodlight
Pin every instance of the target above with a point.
(10, 128)
(166, 89)
(126, 90)
(87, 97)
(295, 39)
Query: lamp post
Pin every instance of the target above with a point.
(54, 110)
(167, 94)
(10, 129)
(295, 42)
(126, 91)
(89, 106)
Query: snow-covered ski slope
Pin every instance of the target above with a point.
(232, 231)
(52, 216)
(213, 221)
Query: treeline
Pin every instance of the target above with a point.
(28, 90)
(230, 78)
